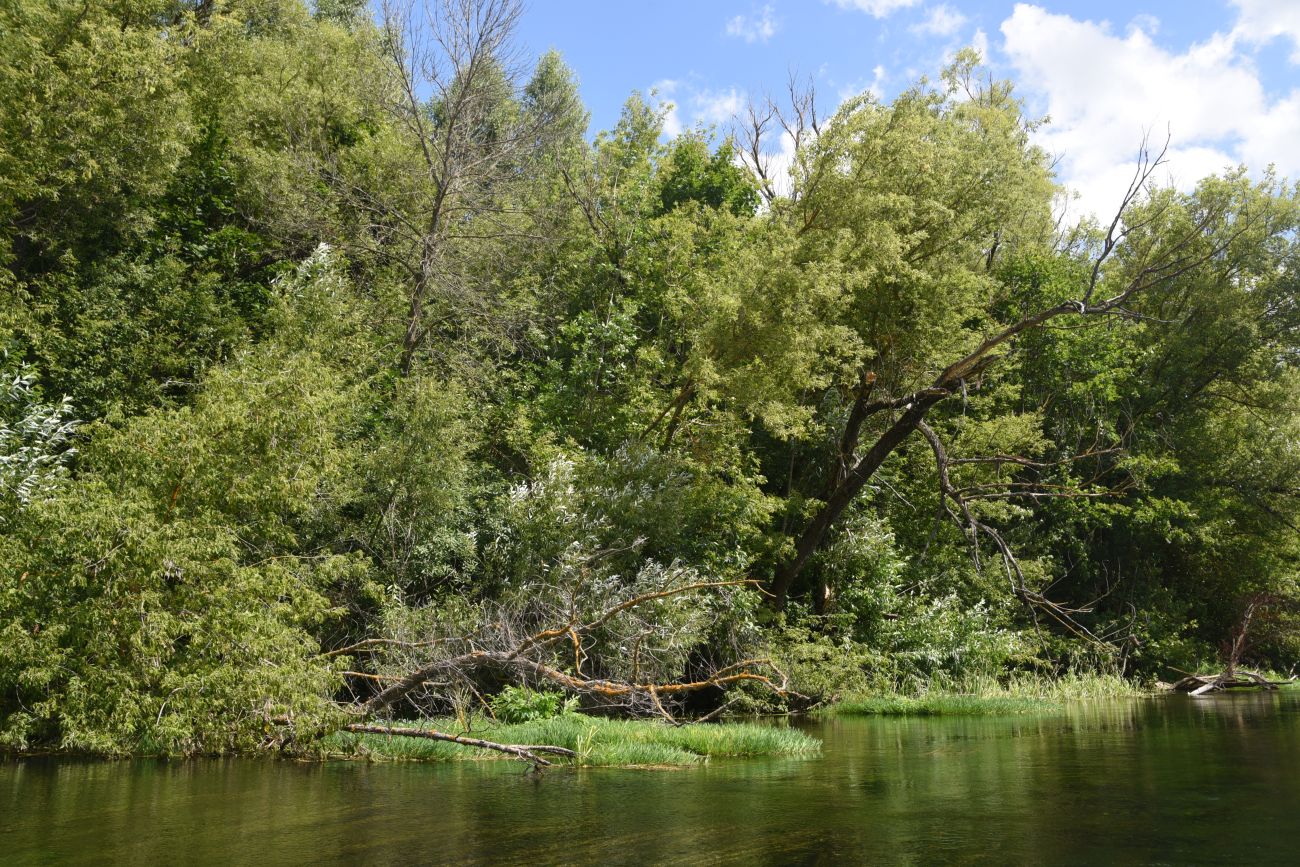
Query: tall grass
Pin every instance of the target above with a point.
(988, 696)
(597, 741)
(938, 704)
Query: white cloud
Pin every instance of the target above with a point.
(980, 42)
(1273, 137)
(1260, 21)
(875, 8)
(876, 85)
(719, 106)
(1148, 24)
(1103, 91)
(941, 20)
(759, 27)
(661, 96)
(684, 104)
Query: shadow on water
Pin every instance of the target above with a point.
(1168, 780)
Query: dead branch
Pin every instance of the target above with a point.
(797, 120)
(375, 643)
(1200, 684)
(613, 649)
(717, 711)
(572, 629)
(972, 527)
(528, 753)
(524, 667)
(751, 135)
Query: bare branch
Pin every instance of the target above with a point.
(528, 753)
(1143, 170)
(1015, 576)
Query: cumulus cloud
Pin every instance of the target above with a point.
(1261, 21)
(684, 103)
(879, 75)
(717, 106)
(1103, 91)
(661, 94)
(941, 20)
(759, 27)
(875, 8)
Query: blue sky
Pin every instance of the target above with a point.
(1223, 76)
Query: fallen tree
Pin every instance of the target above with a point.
(1201, 684)
(528, 753)
(571, 653)
(1233, 676)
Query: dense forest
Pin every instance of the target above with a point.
(346, 371)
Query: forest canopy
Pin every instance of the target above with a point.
(346, 370)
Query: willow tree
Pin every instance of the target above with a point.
(911, 204)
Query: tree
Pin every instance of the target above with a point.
(916, 200)
(428, 194)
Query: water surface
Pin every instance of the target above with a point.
(1172, 780)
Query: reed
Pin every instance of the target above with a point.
(598, 742)
(987, 696)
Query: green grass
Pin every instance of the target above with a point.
(938, 704)
(599, 742)
(986, 696)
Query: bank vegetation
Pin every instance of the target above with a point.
(349, 379)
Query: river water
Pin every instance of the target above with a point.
(1170, 780)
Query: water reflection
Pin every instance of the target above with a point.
(1124, 782)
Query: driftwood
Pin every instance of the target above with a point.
(528, 752)
(1232, 676)
(1203, 684)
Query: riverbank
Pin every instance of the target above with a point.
(597, 742)
(989, 697)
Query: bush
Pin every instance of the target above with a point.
(169, 599)
(519, 704)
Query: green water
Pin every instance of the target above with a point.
(1160, 781)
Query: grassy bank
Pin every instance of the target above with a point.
(989, 697)
(938, 704)
(597, 741)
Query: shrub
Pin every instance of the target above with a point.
(519, 704)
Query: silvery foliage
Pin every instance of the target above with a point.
(34, 440)
(320, 265)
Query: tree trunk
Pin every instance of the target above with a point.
(843, 494)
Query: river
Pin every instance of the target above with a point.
(1170, 780)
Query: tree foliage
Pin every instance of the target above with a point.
(376, 363)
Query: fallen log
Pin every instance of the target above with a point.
(1209, 686)
(528, 753)
(1202, 684)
